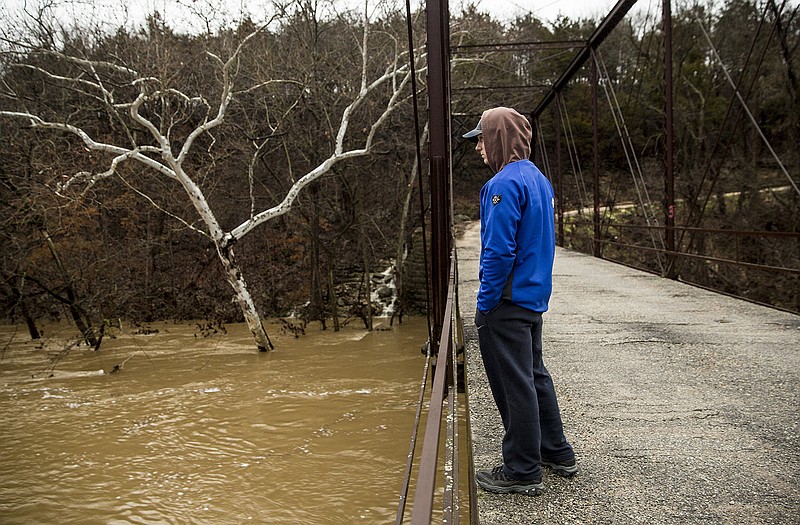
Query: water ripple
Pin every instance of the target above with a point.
(209, 431)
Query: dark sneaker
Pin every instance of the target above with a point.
(495, 480)
(565, 469)
(487, 473)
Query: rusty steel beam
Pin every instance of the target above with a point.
(735, 233)
(500, 88)
(422, 510)
(603, 30)
(517, 46)
(438, 46)
(559, 175)
(669, 171)
(596, 249)
(733, 262)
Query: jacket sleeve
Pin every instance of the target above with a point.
(501, 209)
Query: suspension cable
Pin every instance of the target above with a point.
(545, 164)
(410, 460)
(415, 104)
(745, 107)
(693, 207)
(572, 149)
(414, 433)
(630, 152)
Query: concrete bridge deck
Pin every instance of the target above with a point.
(682, 404)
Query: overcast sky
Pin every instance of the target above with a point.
(549, 10)
(110, 10)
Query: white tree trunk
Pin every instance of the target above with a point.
(243, 298)
(396, 75)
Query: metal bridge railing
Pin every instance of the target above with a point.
(735, 255)
(444, 393)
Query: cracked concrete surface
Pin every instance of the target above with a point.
(681, 404)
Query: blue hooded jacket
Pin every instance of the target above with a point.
(517, 212)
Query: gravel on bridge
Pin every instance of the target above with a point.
(681, 404)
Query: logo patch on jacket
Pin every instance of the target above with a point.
(496, 199)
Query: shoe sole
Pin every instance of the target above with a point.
(562, 470)
(535, 489)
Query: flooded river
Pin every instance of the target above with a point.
(206, 430)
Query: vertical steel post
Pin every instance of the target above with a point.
(559, 172)
(669, 174)
(438, 31)
(596, 250)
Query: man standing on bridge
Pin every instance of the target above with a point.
(516, 277)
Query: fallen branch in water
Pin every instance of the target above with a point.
(116, 368)
(59, 356)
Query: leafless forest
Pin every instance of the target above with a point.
(266, 166)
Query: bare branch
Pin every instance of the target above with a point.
(339, 154)
(90, 64)
(257, 154)
(158, 207)
(225, 97)
(269, 83)
(79, 81)
(137, 104)
(121, 153)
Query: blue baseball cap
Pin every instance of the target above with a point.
(472, 136)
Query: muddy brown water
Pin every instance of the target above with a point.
(205, 430)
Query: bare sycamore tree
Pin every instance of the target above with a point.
(165, 127)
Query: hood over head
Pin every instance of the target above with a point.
(506, 137)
